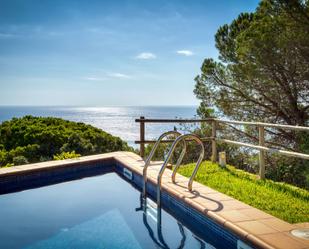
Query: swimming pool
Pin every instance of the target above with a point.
(100, 207)
(97, 212)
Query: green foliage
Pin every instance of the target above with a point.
(160, 152)
(33, 139)
(192, 151)
(262, 75)
(290, 170)
(263, 72)
(66, 155)
(3, 157)
(20, 160)
(278, 199)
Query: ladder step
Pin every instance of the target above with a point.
(152, 216)
(151, 210)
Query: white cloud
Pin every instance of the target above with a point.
(94, 79)
(108, 76)
(146, 56)
(119, 75)
(185, 52)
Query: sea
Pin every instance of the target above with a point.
(118, 121)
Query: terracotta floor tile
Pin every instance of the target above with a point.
(277, 224)
(281, 241)
(209, 205)
(181, 179)
(179, 187)
(233, 205)
(256, 214)
(203, 189)
(302, 225)
(171, 186)
(303, 241)
(219, 197)
(234, 216)
(255, 227)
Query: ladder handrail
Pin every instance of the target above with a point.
(169, 155)
(154, 148)
(200, 159)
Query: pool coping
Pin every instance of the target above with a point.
(250, 224)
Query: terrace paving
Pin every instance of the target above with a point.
(250, 224)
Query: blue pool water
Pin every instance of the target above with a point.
(96, 212)
(99, 205)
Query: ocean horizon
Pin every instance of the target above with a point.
(116, 120)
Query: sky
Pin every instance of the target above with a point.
(108, 53)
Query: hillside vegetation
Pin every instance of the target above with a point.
(261, 74)
(34, 139)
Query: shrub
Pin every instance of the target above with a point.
(20, 160)
(41, 138)
(66, 155)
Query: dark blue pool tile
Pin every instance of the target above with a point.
(39, 178)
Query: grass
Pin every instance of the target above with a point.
(281, 200)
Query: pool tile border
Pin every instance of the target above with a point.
(249, 224)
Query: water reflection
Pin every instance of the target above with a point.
(159, 240)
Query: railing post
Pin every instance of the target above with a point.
(213, 142)
(142, 137)
(262, 152)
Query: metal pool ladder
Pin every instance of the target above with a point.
(179, 138)
(169, 155)
(155, 147)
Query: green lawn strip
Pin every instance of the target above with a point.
(282, 200)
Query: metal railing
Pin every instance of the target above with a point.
(199, 161)
(154, 148)
(261, 147)
(168, 158)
